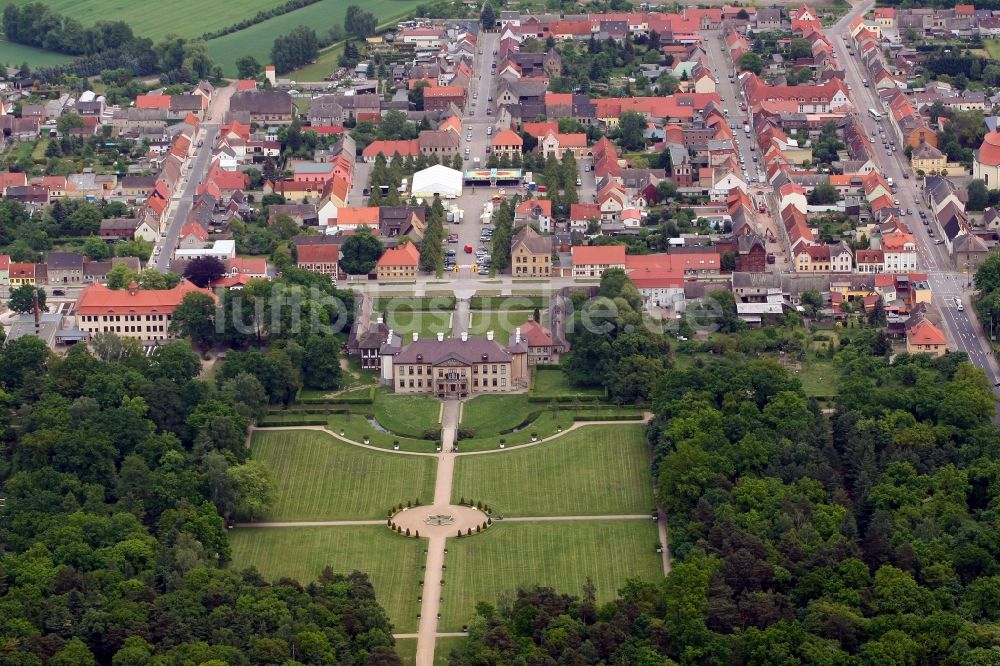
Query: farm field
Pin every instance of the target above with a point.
(17, 54)
(392, 561)
(322, 478)
(187, 18)
(502, 323)
(411, 414)
(561, 555)
(258, 39)
(597, 470)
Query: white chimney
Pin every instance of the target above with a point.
(489, 335)
(440, 337)
(415, 336)
(379, 320)
(517, 335)
(465, 336)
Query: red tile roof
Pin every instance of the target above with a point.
(603, 255)
(194, 229)
(407, 255)
(581, 212)
(318, 254)
(925, 333)
(96, 299)
(151, 101)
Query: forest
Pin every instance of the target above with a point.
(860, 534)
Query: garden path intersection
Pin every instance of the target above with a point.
(443, 519)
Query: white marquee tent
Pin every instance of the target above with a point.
(437, 179)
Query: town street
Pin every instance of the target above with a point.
(947, 283)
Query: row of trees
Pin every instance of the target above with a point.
(432, 245)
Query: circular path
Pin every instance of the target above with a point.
(440, 519)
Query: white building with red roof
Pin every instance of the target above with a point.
(143, 314)
(592, 261)
(986, 163)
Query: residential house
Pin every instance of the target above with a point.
(398, 263)
(923, 337)
(592, 261)
(507, 143)
(542, 349)
(530, 254)
(319, 258)
(264, 107)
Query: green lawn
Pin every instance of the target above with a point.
(992, 47)
(553, 382)
(426, 324)
(321, 16)
(187, 18)
(819, 378)
(410, 414)
(318, 70)
(16, 54)
(406, 648)
(561, 555)
(546, 423)
(393, 562)
(356, 427)
(489, 414)
(502, 323)
(443, 648)
(322, 478)
(595, 470)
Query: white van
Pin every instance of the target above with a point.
(958, 304)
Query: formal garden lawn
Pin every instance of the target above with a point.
(553, 382)
(557, 554)
(501, 322)
(544, 422)
(489, 414)
(393, 562)
(322, 478)
(356, 427)
(594, 470)
(406, 414)
(425, 323)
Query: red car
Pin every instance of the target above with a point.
(468, 249)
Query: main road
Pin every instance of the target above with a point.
(947, 284)
(195, 169)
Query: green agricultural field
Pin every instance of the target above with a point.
(17, 54)
(392, 561)
(425, 324)
(321, 16)
(187, 18)
(591, 471)
(321, 478)
(502, 323)
(410, 414)
(557, 554)
(554, 382)
(489, 414)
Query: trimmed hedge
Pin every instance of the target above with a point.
(567, 397)
(494, 302)
(528, 420)
(607, 417)
(267, 423)
(342, 400)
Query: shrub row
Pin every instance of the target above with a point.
(272, 423)
(343, 400)
(528, 420)
(565, 397)
(607, 417)
(309, 410)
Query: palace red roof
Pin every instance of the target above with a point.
(989, 151)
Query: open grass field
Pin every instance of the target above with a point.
(489, 414)
(425, 324)
(410, 414)
(392, 561)
(596, 470)
(546, 423)
(321, 478)
(321, 16)
(561, 555)
(187, 18)
(17, 54)
(554, 382)
(502, 323)
(443, 647)
(992, 47)
(819, 378)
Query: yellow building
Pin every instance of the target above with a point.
(928, 159)
(530, 254)
(399, 263)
